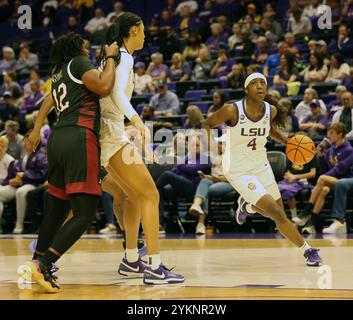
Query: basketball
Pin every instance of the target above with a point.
(300, 149)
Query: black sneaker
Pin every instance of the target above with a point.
(302, 218)
(43, 276)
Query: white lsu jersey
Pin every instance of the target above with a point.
(245, 142)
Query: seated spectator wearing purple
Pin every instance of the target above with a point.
(262, 51)
(345, 115)
(184, 178)
(218, 40)
(23, 175)
(235, 38)
(317, 70)
(303, 110)
(338, 69)
(286, 72)
(299, 24)
(194, 118)
(5, 159)
(246, 47)
(12, 86)
(235, 79)
(187, 24)
(336, 104)
(219, 99)
(223, 21)
(336, 162)
(347, 13)
(33, 76)
(348, 80)
(222, 66)
(343, 45)
(294, 181)
(32, 102)
(143, 82)
(179, 70)
(7, 110)
(165, 102)
(26, 60)
(211, 185)
(315, 124)
(8, 62)
(156, 69)
(203, 66)
(193, 47)
(292, 124)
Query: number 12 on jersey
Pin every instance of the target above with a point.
(60, 105)
(252, 144)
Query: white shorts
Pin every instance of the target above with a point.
(253, 184)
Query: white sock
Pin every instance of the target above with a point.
(293, 212)
(131, 255)
(305, 246)
(154, 260)
(249, 208)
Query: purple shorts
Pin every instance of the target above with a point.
(289, 190)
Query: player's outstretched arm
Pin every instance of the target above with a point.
(34, 137)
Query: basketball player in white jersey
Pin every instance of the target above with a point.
(245, 164)
(133, 177)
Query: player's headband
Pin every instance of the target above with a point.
(255, 75)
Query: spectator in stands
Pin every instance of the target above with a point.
(295, 180)
(169, 42)
(183, 180)
(314, 9)
(343, 187)
(72, 25)
(250, 26)
(251, 11)
(343, 44)
(336, 10)
(5, 159)
(194, 118)
(97, 23)
(321, 49)
(348, 81)
(274, 59)
(156, 69)
(206, 15)
(345, 115)
(143, 82)
(235, 38)
(222, 66)
(165, 19)
(193, 47)
(347, 13)
(12, 86)
(273, 29)
(33, 76)
(299, 24)
(336, 104)
(222, 20)
(165, 102)
(218, 40)
(118, 11)
(338, 69)
(8, 62)
(45, 130)
(335, 163)
(236, 78)
(15, 139)
(23, 176)
(203, 66)
(219, 99)
(294, 48)
(303, 110)
(262, 51)
(49, 18)
(179, 70)
(26, 60)
(292, 124)
(32, 102)
(317, 70)
(315, 124)
(210, 185)
(246, 48)
(190, 4)
(286, 72)
(187, 23)
(8, 111)
(147, 114)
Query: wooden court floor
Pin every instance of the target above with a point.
(214, 269)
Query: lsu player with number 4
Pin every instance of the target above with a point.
(245, 164)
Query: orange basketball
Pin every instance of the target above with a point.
(300, 149)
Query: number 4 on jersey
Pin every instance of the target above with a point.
(252, 144)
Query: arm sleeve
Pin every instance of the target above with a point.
(121, 82)
(80, 65)
(344, 161)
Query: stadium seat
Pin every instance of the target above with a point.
(323, 87)
(195, 94)
(209, 85)
(278, 162)
(183, 86)
(203, 105)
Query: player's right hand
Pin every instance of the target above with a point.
(32, 141)
(111, 50)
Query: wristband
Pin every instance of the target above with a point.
(113, 57)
